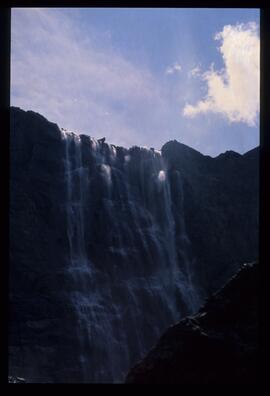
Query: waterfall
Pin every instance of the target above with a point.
(75, 202)
(131, 279)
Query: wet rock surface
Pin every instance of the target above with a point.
(218, 345)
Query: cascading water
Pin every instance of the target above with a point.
(79, 266)
(130, 268)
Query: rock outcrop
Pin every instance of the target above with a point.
(218, 345)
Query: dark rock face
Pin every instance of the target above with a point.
(42, 323)
(221, 210)
(109, 246)
(218, 345)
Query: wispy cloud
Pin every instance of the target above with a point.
(195, 72)
(78, 82)
(234, 90)
(175, 68)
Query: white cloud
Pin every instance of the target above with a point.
(234, 90)
(195, 72)
(79, 82)
(175, 68)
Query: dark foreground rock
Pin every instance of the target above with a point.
(218, 345)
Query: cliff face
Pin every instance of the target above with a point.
(221, 210)
(109, 246)
(218, 345)
(42, 319)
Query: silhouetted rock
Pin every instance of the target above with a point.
(218, 345)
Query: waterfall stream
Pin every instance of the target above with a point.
(131, 277)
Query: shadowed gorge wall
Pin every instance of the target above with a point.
(109, 246)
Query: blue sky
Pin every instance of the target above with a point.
(141, 76)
